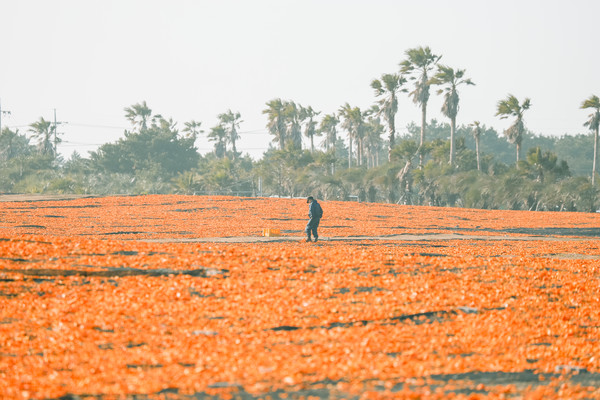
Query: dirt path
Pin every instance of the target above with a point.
(388, 238)
(43, 197)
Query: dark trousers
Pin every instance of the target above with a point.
(312, 226)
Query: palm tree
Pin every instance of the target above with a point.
(310, 129)
(43, 130)
(138, 114)
(276, 121)
(387, 89)
(353, 124)
(292, 114)
(328, 127)
(192, 129)
(594, 124)
(419, 62)
(345, 113)
(163, 124)
(476, 131)
(451, 79)
(218, 134)
(373, 131)
(510, 107)
(231, 122)
(359, 124)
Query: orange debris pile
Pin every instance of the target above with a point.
(89, 306)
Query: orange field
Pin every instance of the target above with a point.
(169, 296)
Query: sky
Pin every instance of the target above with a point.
(192, 60)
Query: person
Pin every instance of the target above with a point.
(315, 213)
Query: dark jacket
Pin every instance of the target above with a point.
(314, 210)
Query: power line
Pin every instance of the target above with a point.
(80, 144)
(254, 132)
(97, 126)
(18, 126)
(83, 125)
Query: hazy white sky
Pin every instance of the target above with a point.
(195, 59)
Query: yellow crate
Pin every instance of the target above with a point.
(271, 232)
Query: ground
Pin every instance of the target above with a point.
(180, 297)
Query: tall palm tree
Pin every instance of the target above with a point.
(373, 131)
(345, 113)
(292, 114)
(192, 129)
(359, 123)
(594, 124)
(310, 129)
(510, 107)
(276, 121)
(419, 62)
(138, 114)
(353, 124)
(476, 131)
(328, 128)
(387, 90)
(218, 134)
(450, 78)
(231, 122)
(43, 130)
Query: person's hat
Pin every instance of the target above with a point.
(309, 199)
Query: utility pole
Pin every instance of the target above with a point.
(55, 133)
(2, 112)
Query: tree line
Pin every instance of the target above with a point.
(353, 153)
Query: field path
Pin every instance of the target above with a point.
(395, 238)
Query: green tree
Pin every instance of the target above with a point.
(227, 176)
(282, 171)
(476, 132)
(276, 121)
(218, 134)
(77, 165)
(387, 89)
(43, 130)
(292, 114)
(545, 165)
(13, 144)
(231, 123)
(451, 79)
(372, 137)
(310, 128)
(187, 182)
(510, 107)
(160, 123)
(353, 124)
(577, 150)
(403, 154)
(328, 128)
(419, 63)
(593, 123)
(138, 114)
(29, 174)
(192, 129)
(157, 152)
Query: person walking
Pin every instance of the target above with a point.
(315, 213)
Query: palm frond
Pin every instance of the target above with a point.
(591, 102)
